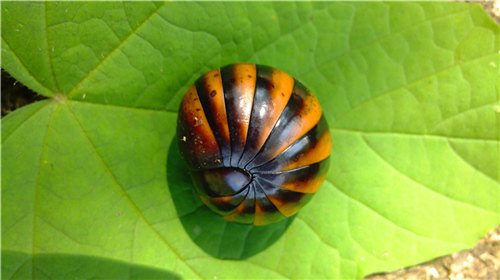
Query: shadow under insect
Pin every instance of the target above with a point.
(19, 265)
(216, 236)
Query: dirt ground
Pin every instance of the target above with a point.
(481, 263)
(492, 7)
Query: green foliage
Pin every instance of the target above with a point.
(92, 185)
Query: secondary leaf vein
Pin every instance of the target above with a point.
(361, 203)
(124, 193)
(118, 47)
(411, 134)
(416, 81)
(419, 183)
(24, 121)
(37, 185)
(25, 68)
(122, 106)
(49, 58)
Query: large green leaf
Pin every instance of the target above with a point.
(92, 185)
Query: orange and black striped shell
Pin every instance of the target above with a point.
(256, 141)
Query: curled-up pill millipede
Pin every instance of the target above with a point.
(256, 142)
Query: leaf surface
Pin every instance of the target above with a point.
(93, 184)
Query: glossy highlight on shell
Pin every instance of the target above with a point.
(256, 142)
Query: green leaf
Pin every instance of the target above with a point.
(93, 184)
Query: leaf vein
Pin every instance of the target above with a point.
(122, 106)
(416, 26)
(416, 81)
(125, 194)
(321, 237)
(37, 186)
(49, 58)
(453, 149)
(21, 63)
(445, 120)
(18, 269)
(361, 203)
(118, 47)
(47, 222)
(24, 121)
(412, 134)
(419, 183)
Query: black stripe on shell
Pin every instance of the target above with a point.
(227, 207)
(288, 202)
(282, 130)
(270, 214)
(224, 146)
(234, 111)
(246, 216)
(298, 175)
(294, 151)
(261, 103)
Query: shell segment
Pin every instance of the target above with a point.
(256, 142)
(209, 88)
(272, 92)
(197, 141)
(238, 81)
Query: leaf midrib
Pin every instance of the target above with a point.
(416, 81)
(125, 194)
(49, 58)
(379, 39)
(20, 124)
(362, 133)
(413, 134)
(115, 49)
(364, 205)
(25, 68)
(37, 185)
